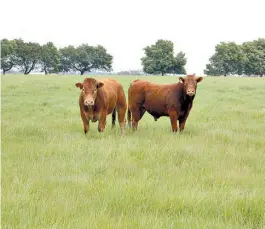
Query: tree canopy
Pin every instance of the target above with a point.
(159, 59)
(231, 58)
(255, 57)
(84, 58)
(49, 58)
(27, 56)
(8, 53)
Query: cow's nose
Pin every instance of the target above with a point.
(190, 92)
(89, 103)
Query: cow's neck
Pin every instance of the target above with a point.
(186, 99)
(99, 98)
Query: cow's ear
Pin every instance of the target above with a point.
(199, 79)
(100, 84)
(181, 79)
(80, 85)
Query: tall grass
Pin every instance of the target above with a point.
(54, 176)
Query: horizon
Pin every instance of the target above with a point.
(124, 29)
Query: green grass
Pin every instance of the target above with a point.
(211, 176)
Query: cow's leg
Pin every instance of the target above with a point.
(113, 117)
(137, 114)
(182, 123)
(121, 118)
(183, 120)
(102, 122)
(129, 118)
(85, 121)
(173, 118)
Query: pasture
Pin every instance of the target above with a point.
(54, 176)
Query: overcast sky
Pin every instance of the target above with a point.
(126, 27)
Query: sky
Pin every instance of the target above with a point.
(124, 28)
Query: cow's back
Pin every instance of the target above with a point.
(152, 97)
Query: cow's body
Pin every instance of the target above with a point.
(159, 100)
(100, 98)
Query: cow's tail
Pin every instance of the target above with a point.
(114, 116)
(129, 117)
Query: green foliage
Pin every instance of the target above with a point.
(179, 64)
(209, 177)
(255, 57)
(8, 52)
(67, 56)
(159, 59)
(84, 58)
(28, 54)
(49, 58)
(228, 59)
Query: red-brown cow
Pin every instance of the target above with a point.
(98, 99)
(173, 100)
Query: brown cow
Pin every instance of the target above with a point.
(98, 99)
(173, 100)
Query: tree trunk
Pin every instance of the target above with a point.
(32, 67)
(82, 71)
(162, 73)
(7, 69)
(45, 70)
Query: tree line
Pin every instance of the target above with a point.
(159, 58)
(238, 59)
(27, 56)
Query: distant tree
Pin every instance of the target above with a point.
(67, 58)
(229, 58)
(8, 52)
(212, 70)
(49, 58)
(84, 58)
(159, 58)
(255, 57)
(179, 64)
(27, 55)
(101, 59)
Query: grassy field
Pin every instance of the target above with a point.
(211, 176)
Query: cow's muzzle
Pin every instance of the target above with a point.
(190, 92)
(89, 102)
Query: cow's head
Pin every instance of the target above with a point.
(190, 84)
(89, 90)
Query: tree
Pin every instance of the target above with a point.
(84, 58)
(179, 64)
(159, 59)
(229, 58)
(67, 57)
(8, 51)
(27, 55)
(49, 58)
(101, 59)
(255, 57)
